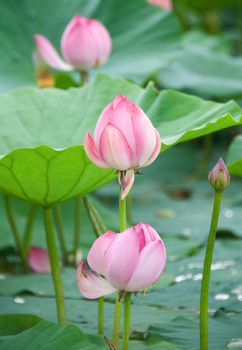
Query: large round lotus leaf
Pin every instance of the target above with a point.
(42, 131)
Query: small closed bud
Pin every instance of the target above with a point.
(219, 176)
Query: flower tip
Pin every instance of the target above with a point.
(37, 38)
(77, 19)
(219, 176)
(166, 4)
(119, 98)
(79, 268)
(88, 134)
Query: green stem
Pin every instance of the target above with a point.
(77, 225)
(129, 209)
(100, 315)
(83, 77)
(96, 221)
(118, 306)
(28, 232)
(60, 232)
(127, 307)
(99, 228)
(14, 229)
(116, 323)
(55, 266)
(122, 213)
(207, 271)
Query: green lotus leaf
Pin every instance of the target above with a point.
(36, 333)
(235, 156)
(207, 73)
(43, 160)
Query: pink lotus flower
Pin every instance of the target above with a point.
(85, 43)
(166, 4)
(130, 261)
(124, 139)
(38, 260)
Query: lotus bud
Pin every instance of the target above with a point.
(219, 176)
(124, 139)
(85, 44)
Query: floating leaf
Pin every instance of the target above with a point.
(42, 334)
(185, 331)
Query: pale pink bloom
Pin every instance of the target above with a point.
(38, 260)
(166, 4)
(130, 262)
(85, 43)
(219, 176)
(124, 139)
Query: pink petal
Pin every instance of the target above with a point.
(77, 46)
(122, 119)
(146, 235)
(114, 149)
(96, 254)
(156, 150)
(103, 41)
(38, 260)
(76, 22)
(92, 152)
(126, 180)
(48, 53)
(90, 284)
(150, 265)
(105, 117)
(167, 4)
(121, 258)
(145, 135)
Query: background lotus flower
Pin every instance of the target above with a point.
(124, 139)
(38, 260)
(166, 4)
(85, 43)
(130, 261)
